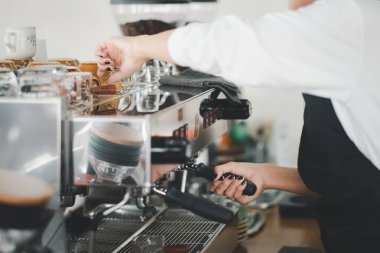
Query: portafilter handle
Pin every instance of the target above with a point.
(202, 170)
(197, 205)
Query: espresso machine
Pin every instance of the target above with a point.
(108, 167)
(130, 151)
(108, 162)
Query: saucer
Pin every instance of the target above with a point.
(256, 220)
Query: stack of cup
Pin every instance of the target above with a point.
(20, 44)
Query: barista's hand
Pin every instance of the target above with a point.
(233, 187)
(121, 52)
(130, 53)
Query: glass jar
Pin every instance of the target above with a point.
(110, 172)
(41, 81)
(8, 83)
(78, 87)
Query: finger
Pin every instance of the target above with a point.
(118, 76)
(239, 190)
(101, 49)
(103, 69)
(230, 192)
(224, 168)
(105, 61)
(219, 173)
(234, 168)
(101, 54)
(214, 185)
(100, 72)
(240, 197)
(220, 190)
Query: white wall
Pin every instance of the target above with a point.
(72, 28)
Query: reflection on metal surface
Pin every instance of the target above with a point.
(160, 123)
(38, 162)
(178, 226)
(40, 137)
(30, 138)
(111, 232)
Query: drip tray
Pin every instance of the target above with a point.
(111, 232)
(179, 227)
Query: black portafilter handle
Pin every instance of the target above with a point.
(202, 170)
(197, 205)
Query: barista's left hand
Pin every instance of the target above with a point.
(130, 53)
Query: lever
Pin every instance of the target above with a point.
(197, 205)
(202, 170)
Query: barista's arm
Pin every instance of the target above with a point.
(312, 49)
(130, 53)
(265, 176)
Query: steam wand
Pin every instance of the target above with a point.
(99, 213)
(120, 204)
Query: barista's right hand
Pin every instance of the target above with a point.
(121, 52)
(232, 187)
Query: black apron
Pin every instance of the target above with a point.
(348, 211)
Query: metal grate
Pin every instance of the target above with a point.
(112, 231)
(179, 227)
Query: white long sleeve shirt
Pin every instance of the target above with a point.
(330, 48)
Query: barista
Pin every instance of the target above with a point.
(329, 50)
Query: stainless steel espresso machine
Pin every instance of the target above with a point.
(108, 167)
(108, 161)
(169, 137)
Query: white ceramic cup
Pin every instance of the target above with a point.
(20, 42)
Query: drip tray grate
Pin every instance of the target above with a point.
(179, 227)
(112, 231)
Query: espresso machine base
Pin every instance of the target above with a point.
(178, 226)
